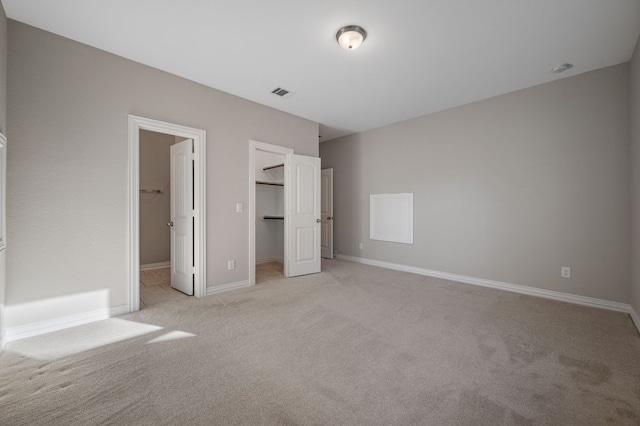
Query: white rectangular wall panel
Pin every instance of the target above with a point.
(391, 217)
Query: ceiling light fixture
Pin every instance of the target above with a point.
(561, 68)
(351, 36)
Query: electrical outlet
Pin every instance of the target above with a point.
(361, 246)
(565, 272)
(231, 264)
(239, 207)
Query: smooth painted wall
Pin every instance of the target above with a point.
(155, 209)
(635, 180)
(511, 188)
(67, 182)
(3, 69)
(3, 130)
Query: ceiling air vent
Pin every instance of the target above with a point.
(283, 93)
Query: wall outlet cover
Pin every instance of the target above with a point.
(565, 272)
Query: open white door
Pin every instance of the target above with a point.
(182, 216)
(326, 214)
(304, 215)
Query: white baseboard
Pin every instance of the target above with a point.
(635, 318)
(148, 266)
(270, 259)
(116, 311)
(227, 287)
(531, 291)
(60, 323)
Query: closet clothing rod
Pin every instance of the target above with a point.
(261, 182)
(151, 191)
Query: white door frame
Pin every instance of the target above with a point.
(274, 149)
(199, 196)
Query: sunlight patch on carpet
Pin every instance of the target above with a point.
(172, 335)
(79, 339)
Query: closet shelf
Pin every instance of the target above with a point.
(275, 166)
(262, 182)
(273, 217)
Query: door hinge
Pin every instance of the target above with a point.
(193, 270)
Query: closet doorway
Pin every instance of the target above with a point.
(284, 212)
(166, 206)
(268, 194)
(270, 226)
(166, 194)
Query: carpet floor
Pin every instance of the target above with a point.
(353, 345)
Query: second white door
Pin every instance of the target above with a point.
(182, 216)
(326, 213)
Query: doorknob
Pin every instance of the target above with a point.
(170, 224)
(329, 218)
(318, 220)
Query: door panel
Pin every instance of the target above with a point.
(326, 214)
(182, 216)
(305, 250)
(304, 216)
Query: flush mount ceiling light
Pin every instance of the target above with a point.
(351, 36)
(561, 68)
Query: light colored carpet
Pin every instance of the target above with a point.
(353, 345)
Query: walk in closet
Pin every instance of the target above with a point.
(269, 210)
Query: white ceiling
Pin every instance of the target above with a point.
(421, 56)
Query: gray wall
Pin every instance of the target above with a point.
(3, 70)
(3, 129)
(508, 189)
(155, 209)
(67, 183)
(635, 180)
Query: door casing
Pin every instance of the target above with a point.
(199, 195)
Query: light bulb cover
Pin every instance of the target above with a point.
(351, 37)
(561, 68)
